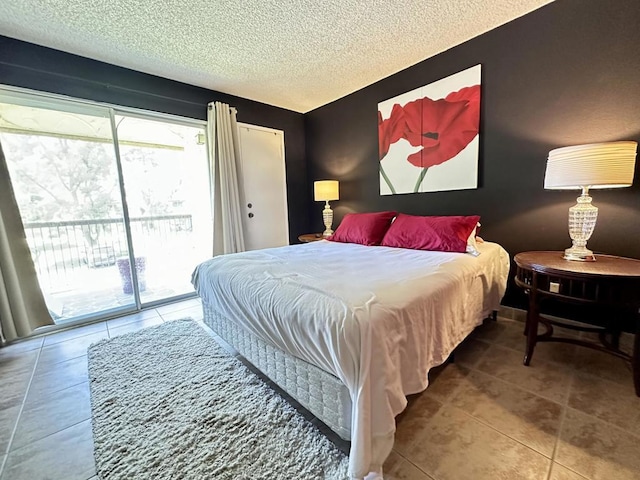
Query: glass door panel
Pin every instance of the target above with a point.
(165, 172)
(63, 168)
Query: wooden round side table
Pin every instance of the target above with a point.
(610, 282)
(310, 237)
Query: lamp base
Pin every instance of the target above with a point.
(579, 254)
(327, 217)
(582, 221)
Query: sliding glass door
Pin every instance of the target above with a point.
(116, 207)
(165, 175)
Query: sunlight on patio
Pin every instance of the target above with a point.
(77, 282)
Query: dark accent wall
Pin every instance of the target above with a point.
(566, 74)
(39, 68)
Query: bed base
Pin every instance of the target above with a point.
(324, 395)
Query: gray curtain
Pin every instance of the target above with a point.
(224, 153)
(22, 305)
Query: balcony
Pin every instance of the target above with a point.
(83, 266)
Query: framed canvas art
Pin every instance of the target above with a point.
(428, 138)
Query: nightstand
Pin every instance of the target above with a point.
(310, 237)
(609, 282)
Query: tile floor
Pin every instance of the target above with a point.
(572, 415)
(45, 414)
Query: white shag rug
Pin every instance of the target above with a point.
(169, 403)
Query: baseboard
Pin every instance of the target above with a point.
(512, 313)
(520, 315)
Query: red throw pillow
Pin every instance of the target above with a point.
(442, 234)
(363, 228)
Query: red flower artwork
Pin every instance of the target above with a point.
(427, 127)
(443, 128)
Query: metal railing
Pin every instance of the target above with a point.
(59, 249)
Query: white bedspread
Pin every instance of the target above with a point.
(378, 318)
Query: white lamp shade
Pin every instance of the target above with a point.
(596, 165)
(325, 190)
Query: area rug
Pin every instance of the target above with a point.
(169, 403)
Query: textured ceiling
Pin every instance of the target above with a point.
(297, 55)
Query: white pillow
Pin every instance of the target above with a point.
(472, 247)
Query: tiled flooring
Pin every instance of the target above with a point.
(571, 415)
(45, 414)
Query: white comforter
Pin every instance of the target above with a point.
(378, 318)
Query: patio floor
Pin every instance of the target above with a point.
(93, 290)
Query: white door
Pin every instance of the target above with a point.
(264, 187)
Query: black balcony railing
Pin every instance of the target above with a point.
(60, 248)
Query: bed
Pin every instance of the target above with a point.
(350, 330)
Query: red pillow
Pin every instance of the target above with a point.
(363, 228)
(442, 234)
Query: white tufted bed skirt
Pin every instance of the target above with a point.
(321, 393)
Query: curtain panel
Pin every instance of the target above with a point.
(22, 305)
(224, 153)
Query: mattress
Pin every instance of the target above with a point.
(321, 393)
(376, 318)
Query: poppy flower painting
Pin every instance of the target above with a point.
(428, 137)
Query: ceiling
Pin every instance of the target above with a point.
(297, 55)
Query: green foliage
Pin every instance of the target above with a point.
(57, 179)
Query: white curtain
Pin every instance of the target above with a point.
(22, 305)
(224, 152)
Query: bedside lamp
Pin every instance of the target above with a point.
(596, 165)
(326, 190)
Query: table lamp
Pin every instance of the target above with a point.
(596, 165)
(326, 190)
